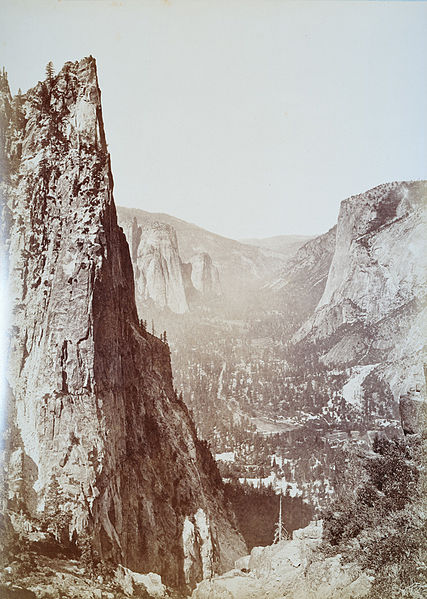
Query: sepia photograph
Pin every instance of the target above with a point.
(213, 285)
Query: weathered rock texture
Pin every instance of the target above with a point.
(161, 276)
(157, 265)
(291, 569)
(373, 307)
(100, 442)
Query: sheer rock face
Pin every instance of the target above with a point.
(161, 276)
(157, 265)
(373, 306)
(379, 248)
(242, 267)
(100, 436)
(204, 275)
(304, 277)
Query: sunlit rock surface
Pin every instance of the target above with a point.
(241, 267)
(98, 442)
(157, 265)
(290, 569)
(204, 275)
(161, 275)
(373, 308)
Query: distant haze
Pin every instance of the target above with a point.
(250, 118)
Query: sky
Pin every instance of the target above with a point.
(250, 118)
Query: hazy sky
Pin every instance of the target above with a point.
(249, 118)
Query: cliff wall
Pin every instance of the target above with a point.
(162, 278)
(98, 440)
(157, 265)
(373, 308)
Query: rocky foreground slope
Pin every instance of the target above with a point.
(101, 454)
(290, 569)
(371, 542)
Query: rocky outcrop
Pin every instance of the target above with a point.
(134, 584)
(304, 277)
(157, 265)
(204, 276)
(161, 276)
(292, 569)
(413, 413)
(99, 445)
(54, 578)
(241, 267)
(197, 541)
(373, 305)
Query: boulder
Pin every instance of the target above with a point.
(413, 413)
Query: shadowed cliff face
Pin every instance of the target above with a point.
(113, 451)
(304, 277)
(204, 275)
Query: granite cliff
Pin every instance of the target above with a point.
(304, 276)
(162, 278)
(157, 265)
(204, 275)
(240, 267)
(372, 309)
(99, 448)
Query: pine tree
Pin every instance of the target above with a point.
(45, 97)
(50, 71)
(280, 533)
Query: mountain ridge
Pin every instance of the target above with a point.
(287, 244)
(241, 266)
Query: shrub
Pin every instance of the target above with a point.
(382, 525)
